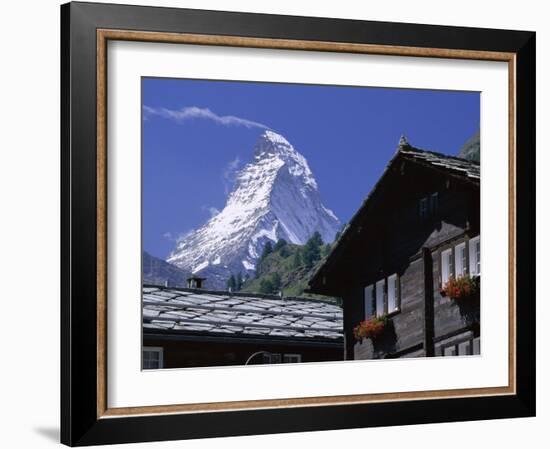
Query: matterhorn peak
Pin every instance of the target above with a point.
(270, 144)
(275, 197)
(274, 137)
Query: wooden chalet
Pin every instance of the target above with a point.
(418, 228)
(194, 327)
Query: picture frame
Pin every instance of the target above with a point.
(86, 28)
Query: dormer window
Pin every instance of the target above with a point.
(428, 205)
(423, 207)
(434, 203)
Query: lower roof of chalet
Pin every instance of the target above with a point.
(184, 311)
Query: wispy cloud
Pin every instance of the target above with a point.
(194, 112)
(176, 237)
(213, 211)
(229, 174)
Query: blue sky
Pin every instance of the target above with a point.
(196, 133)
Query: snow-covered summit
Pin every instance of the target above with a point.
(275, 196)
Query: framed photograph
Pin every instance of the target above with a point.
(278, 224)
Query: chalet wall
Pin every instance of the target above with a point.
(187, 354)
(405, 329)
(391, 236)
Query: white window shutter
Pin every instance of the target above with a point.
(392, 293)
(445, 265)
(473, 256)
(380, 297)
(459, 261)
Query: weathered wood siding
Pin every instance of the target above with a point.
(192, 354)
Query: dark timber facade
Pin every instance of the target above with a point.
(418, 227)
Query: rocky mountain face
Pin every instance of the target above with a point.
(157, 272)
(275, 197)
(470, 150)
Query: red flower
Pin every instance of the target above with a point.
(461, 287)
(370, 328)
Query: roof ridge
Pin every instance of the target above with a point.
(410, 148)
(241, 294)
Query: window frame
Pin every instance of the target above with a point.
(434, 203)
(450, 265)
(298, 358)
(461, 259)
(474, 259)
(423, 207)
(156, 349)
(396, 291)
(380, 306)
(381, 312)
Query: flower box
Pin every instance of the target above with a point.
(371, 328)
(461, 287)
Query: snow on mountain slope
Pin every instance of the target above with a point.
(275, 196)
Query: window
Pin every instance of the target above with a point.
(380, 297)
(447, 269)
(475, 256)
(270, 357)
(376, 295)
(393, 293)
(292, 358)
(369, 290)
(470, 346)
(461, 264)
(434, 203)
(152, 358)
(423, 207)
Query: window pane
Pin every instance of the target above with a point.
(292, 358)
(423, 207)
(446, 265)
(475, 256)
(460, 259)
(392, 293)
(449, 351)
(368, 300)
(434, 200)
(152, 358)
(380, 298)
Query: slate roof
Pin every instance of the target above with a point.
(455, 165)
(214, 313)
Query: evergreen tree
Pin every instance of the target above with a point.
(231, 283)
(239, 281)
(268, 249)
(312, 250)
(297, 259)
(276, 282)
(266, 286)
(316, 239)
(280, 244)
(284, 252)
